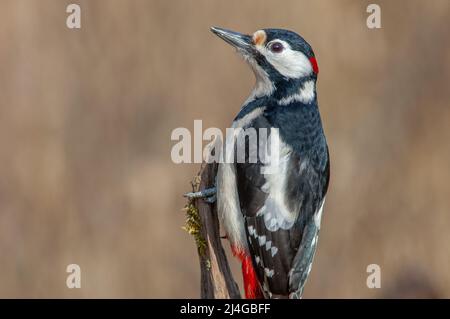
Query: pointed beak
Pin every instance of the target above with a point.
(242, 42)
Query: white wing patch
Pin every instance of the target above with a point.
(274, 211)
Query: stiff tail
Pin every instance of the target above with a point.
(251, 283)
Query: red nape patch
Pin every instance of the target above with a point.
(314, 64)
(251, 283)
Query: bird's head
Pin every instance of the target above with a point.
(279, 58)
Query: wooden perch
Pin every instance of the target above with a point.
(202, 222)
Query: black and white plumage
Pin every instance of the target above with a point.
(273, 219)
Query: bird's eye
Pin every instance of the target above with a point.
(276, 47)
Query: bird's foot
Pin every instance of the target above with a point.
(208, 195)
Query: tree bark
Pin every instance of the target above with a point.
(216, 278)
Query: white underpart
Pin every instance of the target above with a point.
(305, 94)
(228, 206)
(289, 63)
(275, 211)
(263, 85)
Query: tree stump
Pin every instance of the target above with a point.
(202, 222)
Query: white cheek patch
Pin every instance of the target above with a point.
(289, 63)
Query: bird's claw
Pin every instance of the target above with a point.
(208, 195)
(211, 199)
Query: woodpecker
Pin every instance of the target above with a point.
(272, 220)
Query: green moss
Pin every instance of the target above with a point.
(193, 226)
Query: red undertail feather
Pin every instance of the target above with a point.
(251, 284)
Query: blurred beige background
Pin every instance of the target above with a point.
(86, 117)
